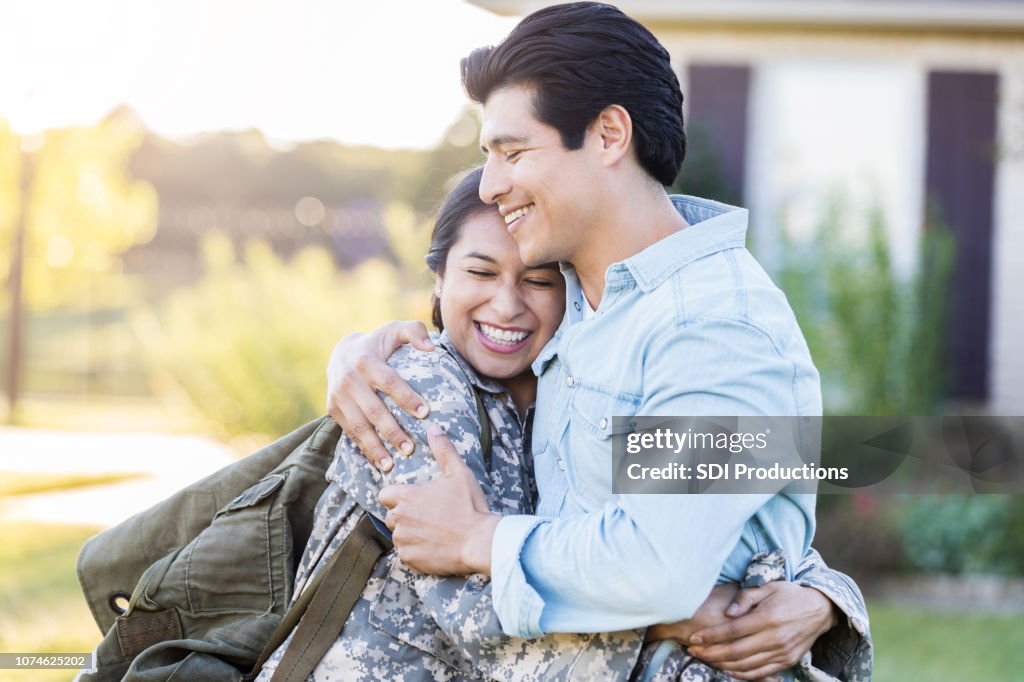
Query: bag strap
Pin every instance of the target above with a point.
(319, 614)
(485, 428)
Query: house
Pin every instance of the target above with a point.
(911, 105)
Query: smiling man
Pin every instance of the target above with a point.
(667, 314)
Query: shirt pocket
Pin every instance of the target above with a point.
(592, 433)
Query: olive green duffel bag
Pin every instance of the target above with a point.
(197, 586)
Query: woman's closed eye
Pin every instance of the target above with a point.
(485, 274)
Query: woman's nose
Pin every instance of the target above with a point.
(508, 302)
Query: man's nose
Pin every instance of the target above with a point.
(494, 182)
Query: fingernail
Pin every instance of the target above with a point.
(732, 610)
(422, 411)
(385, 464)
(696, 639)
(434, 430)
(406, 448)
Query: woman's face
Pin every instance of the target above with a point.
(498, 313)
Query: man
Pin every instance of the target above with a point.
(668, 314)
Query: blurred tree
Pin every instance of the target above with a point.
(702, 174)
(458, 151)
(83, 210)
(70, 210)
(10, 193)
(241, 168)
(249, 343)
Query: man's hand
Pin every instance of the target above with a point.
(356, 371)
(770, 628)
(444, 526)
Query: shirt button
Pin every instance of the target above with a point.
(569, 381)
(561, 464)
(603, 423)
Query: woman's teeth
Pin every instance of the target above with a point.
(505, 337)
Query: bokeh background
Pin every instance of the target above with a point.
(198, 199)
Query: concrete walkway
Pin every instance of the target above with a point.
(167, 462)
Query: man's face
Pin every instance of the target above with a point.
(544, 191)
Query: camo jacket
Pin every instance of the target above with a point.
(411, 626)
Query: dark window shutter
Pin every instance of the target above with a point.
(716, 125)
(959, 188)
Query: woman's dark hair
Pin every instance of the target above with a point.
(580, 58)
(461, 204)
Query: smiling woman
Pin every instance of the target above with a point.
(496, 314)
(499, 312)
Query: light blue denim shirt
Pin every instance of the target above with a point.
(690, 326)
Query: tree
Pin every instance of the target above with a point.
(70, 209)
(84, 210)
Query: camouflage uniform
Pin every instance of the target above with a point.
(412, 626)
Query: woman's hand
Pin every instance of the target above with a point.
(761, 631)
(356, 371)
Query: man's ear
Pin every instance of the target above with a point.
(614, 127)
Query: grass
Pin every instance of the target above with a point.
(923, 646)
(19, 483)
(41, 608)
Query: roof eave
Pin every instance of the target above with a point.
(932, 15)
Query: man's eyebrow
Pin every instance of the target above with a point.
(501, 141)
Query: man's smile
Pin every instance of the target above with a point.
(515, 215)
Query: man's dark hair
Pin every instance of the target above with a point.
(580, 58)
(461, 204)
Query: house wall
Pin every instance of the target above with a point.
(901, 60)
(1006, 371)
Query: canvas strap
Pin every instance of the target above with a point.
(320, 612)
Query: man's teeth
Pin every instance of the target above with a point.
(517, 214)
(503, 336)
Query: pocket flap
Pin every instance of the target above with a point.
(257, 493)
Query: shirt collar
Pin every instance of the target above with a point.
(713, 227)
(479, 381)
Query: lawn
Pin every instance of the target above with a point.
(41, 608)
(19, 483)
(924, 646)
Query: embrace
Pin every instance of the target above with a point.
(571, 288)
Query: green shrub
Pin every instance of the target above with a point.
(876, 336)
(249, 343)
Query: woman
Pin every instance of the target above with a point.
(495, 315)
